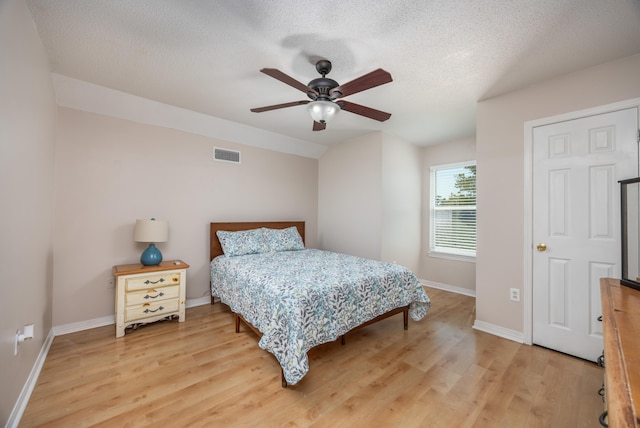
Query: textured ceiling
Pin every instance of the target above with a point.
(444, 55)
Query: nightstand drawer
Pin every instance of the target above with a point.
(152, 295)
(151, 309)
(146, 294)
(149, 281)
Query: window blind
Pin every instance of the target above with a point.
(453, 209)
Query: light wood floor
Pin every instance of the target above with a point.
(439, 373)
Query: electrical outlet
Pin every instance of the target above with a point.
(514, 294)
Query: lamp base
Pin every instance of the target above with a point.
(151, 256)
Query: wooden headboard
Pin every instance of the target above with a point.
(215, 249)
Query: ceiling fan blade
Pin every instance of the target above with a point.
(371, 80)
(277, 106)
(317, 126)
(284, 78)
(364, 111)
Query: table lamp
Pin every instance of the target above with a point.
(151, 231)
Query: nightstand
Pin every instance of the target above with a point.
(146, 294)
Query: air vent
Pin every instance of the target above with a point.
(225, 155)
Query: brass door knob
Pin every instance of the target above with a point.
(541, 247)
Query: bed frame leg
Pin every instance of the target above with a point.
(284, 381)
(405, 315)
(236, 319)
(342, 340)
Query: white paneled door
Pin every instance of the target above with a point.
(576, 230)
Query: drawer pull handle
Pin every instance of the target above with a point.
(154, 282)
(154, 297)
(601, 392)
(603, 419)
(146, 311)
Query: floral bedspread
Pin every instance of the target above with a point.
(300, 299)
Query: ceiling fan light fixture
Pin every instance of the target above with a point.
(324, 93)
(322, 111)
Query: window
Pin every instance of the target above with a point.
(453, 210)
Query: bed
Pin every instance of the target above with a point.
(296, 298)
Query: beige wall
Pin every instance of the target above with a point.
(460, 274)
(401, 202)
(27, 126)
(110, 172)
(500, 156)
(369, 199)
(350, 197)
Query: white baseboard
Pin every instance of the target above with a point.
(447, 287)
(83, 325)
(516, 336)
(27, 389)
(198, 302)
(110, 319)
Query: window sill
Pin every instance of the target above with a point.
(455, 257)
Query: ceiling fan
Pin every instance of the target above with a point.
(323, 93)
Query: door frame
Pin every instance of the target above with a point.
(527, 292)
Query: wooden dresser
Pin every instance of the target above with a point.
(146, 294)
(621, 327)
